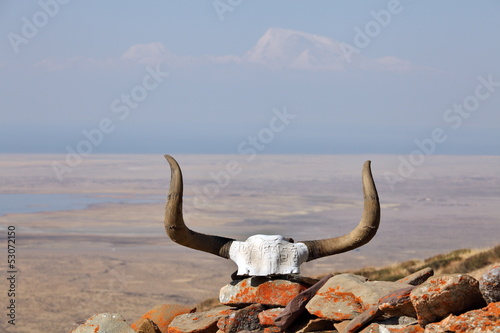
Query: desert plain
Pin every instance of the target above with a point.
(110, 253)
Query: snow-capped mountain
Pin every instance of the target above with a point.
(277, 48)
(288, 48)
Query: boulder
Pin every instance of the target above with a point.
(104, 323)
(447, 294)
(267, 317)
(489, 285)
(244, 319)
(381, 328)
(148, 326)
(483, 320)
(199, 322)
(297, 306)
(345, 296)
(162, 315)
(398, 303)
(313, 325)
(361, 320)
(260, 290)
(418, 277)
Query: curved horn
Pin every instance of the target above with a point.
(362, 234)
(174, 222)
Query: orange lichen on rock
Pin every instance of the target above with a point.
(267, 292)
(266, 318)
(483, 320)
(162, 315)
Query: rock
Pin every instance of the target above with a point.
(489, 285)
(381, 328)
(199, 322)
(418, 277)
(104, 323)
(342, 326)
(440, 296)
(267, 317)
(345, 296)
(271, 329)
(483, 320)
(361, 320)
(398, 303)
(244, 319)
(162, 315)
(315, 325)
(260, 290)
(148, 326)
(390, 301)
(298, 305)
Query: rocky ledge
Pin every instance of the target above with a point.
(342, 303)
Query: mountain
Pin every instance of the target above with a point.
(278, 48)
(295, 49)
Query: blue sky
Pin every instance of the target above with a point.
(229, 76)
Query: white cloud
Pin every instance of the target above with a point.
(393, 64)
(278, 48)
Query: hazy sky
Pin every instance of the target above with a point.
(232, 76)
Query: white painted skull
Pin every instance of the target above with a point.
(262, 255)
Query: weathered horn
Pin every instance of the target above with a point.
(174, 222)
(362, 234)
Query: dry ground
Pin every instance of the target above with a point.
(115, 257)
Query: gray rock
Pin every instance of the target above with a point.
(298, 305)
(345, 296)
(447, 294)
(196, 322)
(418, 277)
(104, 323)
(398, 303)
(489, 285)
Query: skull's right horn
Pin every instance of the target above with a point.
(174, 221)
(362, 234)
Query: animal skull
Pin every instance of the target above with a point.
(267, 255)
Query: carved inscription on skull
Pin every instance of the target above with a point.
(262, 255)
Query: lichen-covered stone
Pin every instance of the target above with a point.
(345, 296)
(162, 315)
(104, 323)
(485, 320)
(489, 285)
(244, 319)
(447, 294)
(381, 328)
(398, 303)
(297, 306)
(260, 290)
(266, 318)
(199, 322)
(361, 320)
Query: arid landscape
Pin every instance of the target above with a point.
(111, 253)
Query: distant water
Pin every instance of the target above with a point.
(34, 203)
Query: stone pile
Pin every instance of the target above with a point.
(340, 303)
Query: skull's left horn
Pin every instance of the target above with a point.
(174, 222)
(362, 234)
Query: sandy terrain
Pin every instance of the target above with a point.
(114, 256)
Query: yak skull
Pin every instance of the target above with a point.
(266, 255)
